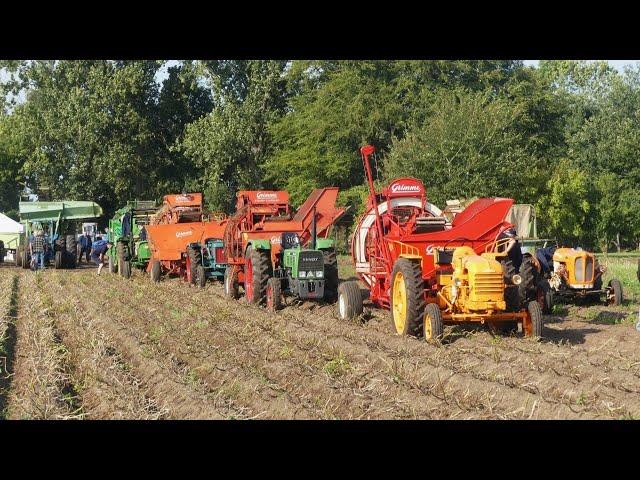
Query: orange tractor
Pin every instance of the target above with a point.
(273, 251)
(184, 242)
(429, 270)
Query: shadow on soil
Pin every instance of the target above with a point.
(571, 336)
(7, 348)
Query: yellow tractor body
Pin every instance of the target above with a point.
(577, 267)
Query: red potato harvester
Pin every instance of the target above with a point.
(428, 271)
(177, 234)
(254, 248)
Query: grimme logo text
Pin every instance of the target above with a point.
(399, 187)
(183, 234)
(266, 196)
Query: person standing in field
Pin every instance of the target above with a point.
(99, 248)
(37, 250)
(85, 247)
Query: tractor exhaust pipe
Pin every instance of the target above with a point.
(313, 229)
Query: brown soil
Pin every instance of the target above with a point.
(168, 350)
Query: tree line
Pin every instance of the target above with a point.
(563, 136)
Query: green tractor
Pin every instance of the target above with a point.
(58, 221)
(128, 236)
(302, 273)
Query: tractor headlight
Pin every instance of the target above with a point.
(516, 279)
(319, 274)
(302, 274)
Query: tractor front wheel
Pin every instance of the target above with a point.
(330, 275)
(155, 271)
(407, 297)
(274, 294)
(433, 323)
(349, 300)
(231, 283)
(201, 276)
(257, 270)
(125, 268)
(615, 292)
(533, 326)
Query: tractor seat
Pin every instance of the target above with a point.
(289, 240)
(430, 224)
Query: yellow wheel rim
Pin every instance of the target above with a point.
(399, 302)
(428, 333)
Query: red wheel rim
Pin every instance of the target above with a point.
(188, 270)
(248, 280)
(269, 296)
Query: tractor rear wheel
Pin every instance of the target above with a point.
(529, 274)
(58, 259)
(615, 288)
(349, 300)
(231, 283)
(433, 323)
(545, 297)
(533, 328)
(112, 265)
(155, 271)
(201, 276)
(407, 297)
(18, 257)
(71, 245)
(330, 275)
(511, 294)
(257, 271)
(274, 294)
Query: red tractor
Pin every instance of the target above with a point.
(272, 251)
(429, 271)
(184, 242)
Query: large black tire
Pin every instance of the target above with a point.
(125, 268)
(349, 300)
(261, 272)
(71, 244)
(26, 258)
(511, 292)
(201, 276)
(616, 286)
(274, 294)
(112, 265)
(544, 296)
(156, 270)
(408, 320)
(121, 254)
(18, 257)
(195, 260)
(58, 261)
(61, 243)
(433, 325)
(230, 283)
(537, 323)
(529, 274)
(3, 252)
(330, 275)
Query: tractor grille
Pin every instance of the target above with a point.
(588, 273)
(311, 261)
(579, 269)
(488, 284)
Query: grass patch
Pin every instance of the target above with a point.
(338, 366)
(624, 268)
